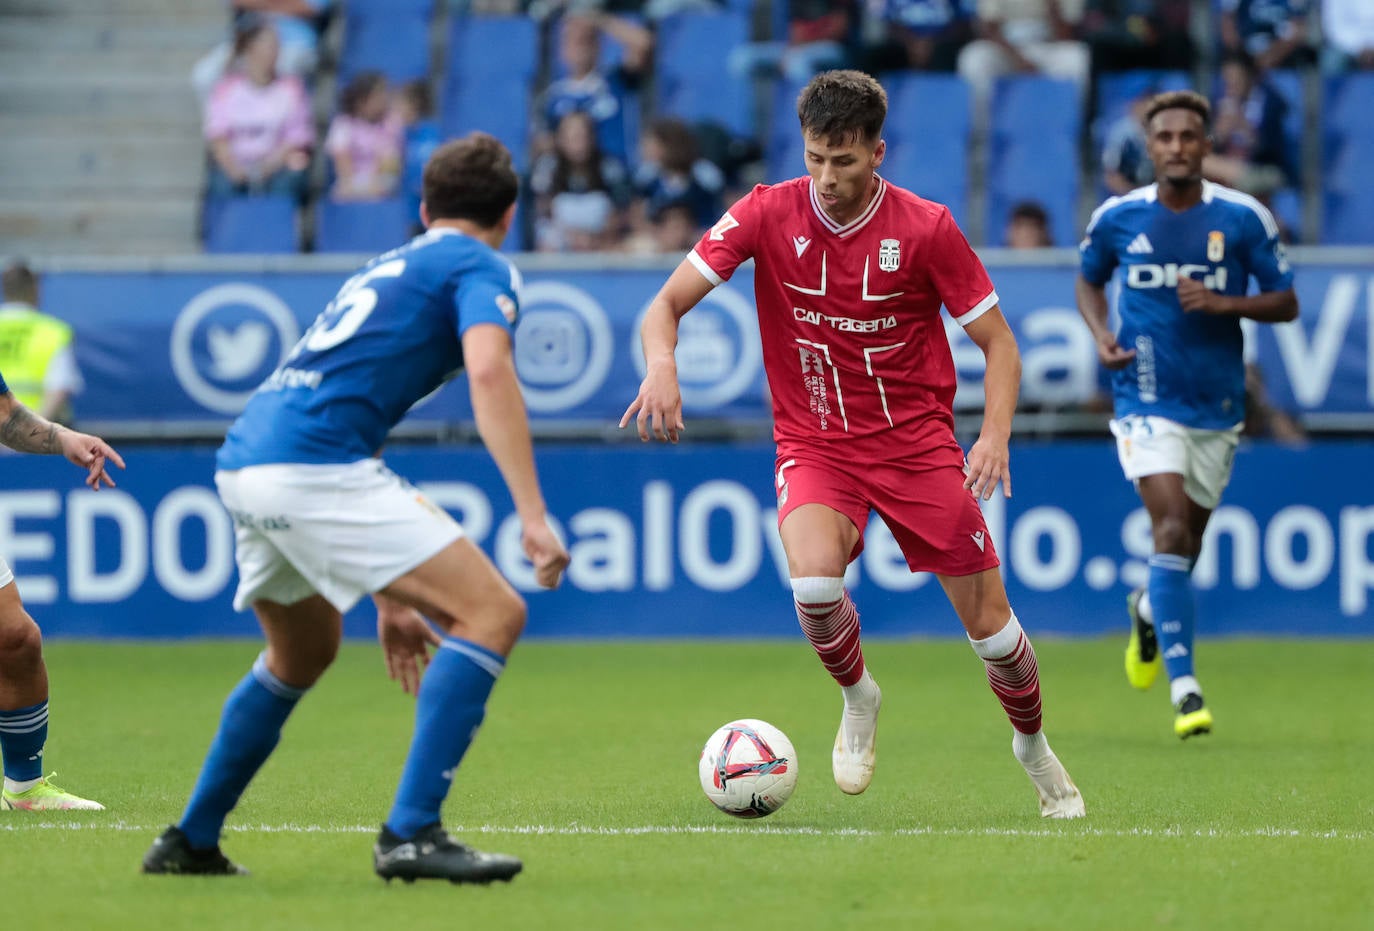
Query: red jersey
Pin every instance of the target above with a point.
(853, 343)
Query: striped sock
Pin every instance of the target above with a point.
(23, 732)
(1013, 674)
(831, 622)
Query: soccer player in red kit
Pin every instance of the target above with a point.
(850, 273)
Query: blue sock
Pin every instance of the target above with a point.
(1171, 604)
(248, 731)
(448, 711)
(23, 732)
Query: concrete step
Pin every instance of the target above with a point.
(66, 8)
(129, 163)
(80, 97)
(171, 64)
(108, 34)
(93, 225)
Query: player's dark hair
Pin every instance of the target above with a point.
(19, 283)
(840, 106)
(1180, 100)
(470, 179)
(356, 91)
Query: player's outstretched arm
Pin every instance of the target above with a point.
(1092, 306)
(23, 430)
(657, 409)
(989, 460)
(505, 429)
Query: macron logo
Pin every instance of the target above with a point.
(977, 538)
(800, 243)
(1140, 246)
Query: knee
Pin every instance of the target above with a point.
(511, 616)
(20, 640)
(1173, 535)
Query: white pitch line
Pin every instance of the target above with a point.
(580, 830)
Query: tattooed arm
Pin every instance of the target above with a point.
(23, 430)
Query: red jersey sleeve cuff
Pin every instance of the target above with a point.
(977, 310)
(707, 271)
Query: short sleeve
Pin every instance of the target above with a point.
(336, 140)
(728, 244)
(957, 273)
(218, 109)
(1097, 260)
(1266, 257)
(487, 294)
(299, 130)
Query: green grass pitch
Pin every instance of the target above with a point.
(586, 769)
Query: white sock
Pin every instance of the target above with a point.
(1142, 607)
(1029, 747)
(20, 785)
(862, 693)
(1181, 687)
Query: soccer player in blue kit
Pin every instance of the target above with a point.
(320, 521)
(1187, 249)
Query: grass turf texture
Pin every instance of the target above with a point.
(586, 769)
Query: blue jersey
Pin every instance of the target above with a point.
(4, 388)
(390, 336)
(1188, 367)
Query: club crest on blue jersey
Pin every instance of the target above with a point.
(1216, 246)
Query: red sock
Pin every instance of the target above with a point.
(1013, 675)
(831, 622)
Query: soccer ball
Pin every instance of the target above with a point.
(748, 768)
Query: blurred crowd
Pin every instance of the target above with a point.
(280, 118)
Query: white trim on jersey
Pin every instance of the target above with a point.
(706, 270)
(856, 224)
(1148, 192)
(982, 307)
(1231, 195)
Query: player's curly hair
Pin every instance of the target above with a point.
(1180, 100)
(470, 179)
(839, 106)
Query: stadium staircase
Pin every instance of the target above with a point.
(99, 127)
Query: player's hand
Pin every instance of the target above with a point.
(1195, 296)
(406, 638)
(546, 551)
(1111, 355)
(988, 463)
(658, 406)
(91, 453)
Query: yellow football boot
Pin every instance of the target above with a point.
(1142, 650)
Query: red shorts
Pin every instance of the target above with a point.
(934, 519)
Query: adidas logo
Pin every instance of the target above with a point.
(1140, 245)
(977, 538)
(1176, 651)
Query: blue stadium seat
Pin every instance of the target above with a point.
(362, 226)
(927, 133)
(251, 225)
(380, 37)
(692, 80)
(1033, 154)
(489, 79)
(1348, 150)
(784, 153)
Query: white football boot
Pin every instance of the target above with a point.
(856, 743)
(1059, 797)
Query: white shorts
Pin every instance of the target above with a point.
(6, 574)
(1153, 445)
(343, 531)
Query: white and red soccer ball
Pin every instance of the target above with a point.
(748, 768)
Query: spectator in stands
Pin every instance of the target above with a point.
(925, 35)
(36, 351)
(1022, 36)
(1348, 34)
(586, 89)
(819, 36)
(298, 23)
(415, 110)
(258, 123)
(1028, 227)
(1129, 34)
(671, 172)
(364, 141)
(580, 193)
(1126, 161)
(1272, 32)
(1249, 151)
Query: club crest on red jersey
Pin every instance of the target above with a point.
(889, 255)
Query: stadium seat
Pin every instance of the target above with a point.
(386, 37)
(1348, 149)
(1033, 154)
(784, 153)
(251, 225)
(489, 79)
(361, 226)
(692, 80)
(927, 133)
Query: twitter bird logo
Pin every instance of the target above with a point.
(239, 352)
